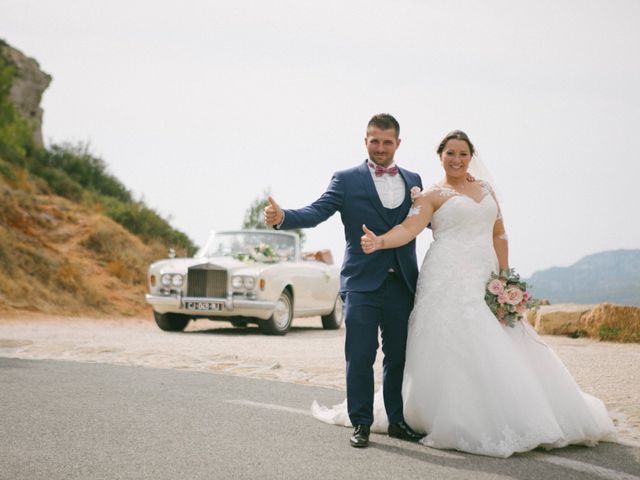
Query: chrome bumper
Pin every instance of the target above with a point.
(230, 303)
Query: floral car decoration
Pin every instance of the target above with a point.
(246, 277)
(260, 253)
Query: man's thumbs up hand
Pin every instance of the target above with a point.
(370, 242)
(273, 214)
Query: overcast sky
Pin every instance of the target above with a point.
(198, 106)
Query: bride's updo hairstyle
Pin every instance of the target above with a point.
(456, 135)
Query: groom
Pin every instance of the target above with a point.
(377, 289)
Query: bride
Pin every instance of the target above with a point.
(471, 383)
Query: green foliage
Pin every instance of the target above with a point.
(608, 332)
(85, 169)
(254, 217)
(59, 182)
(139, 219)
(7, 171)
(578, 334)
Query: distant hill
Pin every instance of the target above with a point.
(605, 277)
(73, 240)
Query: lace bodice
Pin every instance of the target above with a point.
(463, 219)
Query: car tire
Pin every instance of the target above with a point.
(280, 322)
(334, 320)
(171, 322)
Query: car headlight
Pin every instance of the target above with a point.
(242, 281)
(172, 280)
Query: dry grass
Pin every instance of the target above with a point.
(59, 257)
(131, 273)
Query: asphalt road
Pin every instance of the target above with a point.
(67, 420)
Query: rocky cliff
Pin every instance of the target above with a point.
(28, 86)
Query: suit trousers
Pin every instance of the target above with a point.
(388, 309)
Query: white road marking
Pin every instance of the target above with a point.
(596, 470)
(271, 406)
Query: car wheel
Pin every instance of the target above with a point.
(280, 322)
(171, 322)
(334, 320)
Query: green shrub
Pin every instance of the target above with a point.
(608, 332)
(145, 222)
(7, 171)
(60, 183)
(86, 170)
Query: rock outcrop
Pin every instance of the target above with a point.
(28, 86)
(613, 322)
(562, 319)
(617, 323)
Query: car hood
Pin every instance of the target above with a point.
(181, 265)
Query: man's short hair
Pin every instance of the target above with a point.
(384, 121)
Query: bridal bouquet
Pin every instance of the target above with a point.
(507, 297)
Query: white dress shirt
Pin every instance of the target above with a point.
(390, 188)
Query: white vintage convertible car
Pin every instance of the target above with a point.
(245, 276)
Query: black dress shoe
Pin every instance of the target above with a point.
(360, 437)
(404, 432)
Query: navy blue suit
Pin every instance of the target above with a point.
(373, 296)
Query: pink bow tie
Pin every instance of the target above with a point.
(379, 171)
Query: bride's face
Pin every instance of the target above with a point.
(455, 158)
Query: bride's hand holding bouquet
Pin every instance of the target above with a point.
(507, 297)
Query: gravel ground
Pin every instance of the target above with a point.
(306, 355)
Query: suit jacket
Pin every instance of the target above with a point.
(353, 194)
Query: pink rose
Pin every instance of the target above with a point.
(525, 296)
(514, 296)
(495, 287)
(502, 298)
(415, 192)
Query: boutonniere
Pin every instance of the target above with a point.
(415, 193)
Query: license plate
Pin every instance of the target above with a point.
(204, 306)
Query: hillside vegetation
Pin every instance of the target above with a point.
(72, 237)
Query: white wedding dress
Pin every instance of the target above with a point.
(470, 383)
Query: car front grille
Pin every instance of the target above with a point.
(207, 281)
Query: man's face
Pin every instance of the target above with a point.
(381, 145)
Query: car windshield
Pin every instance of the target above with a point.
(262, 246)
